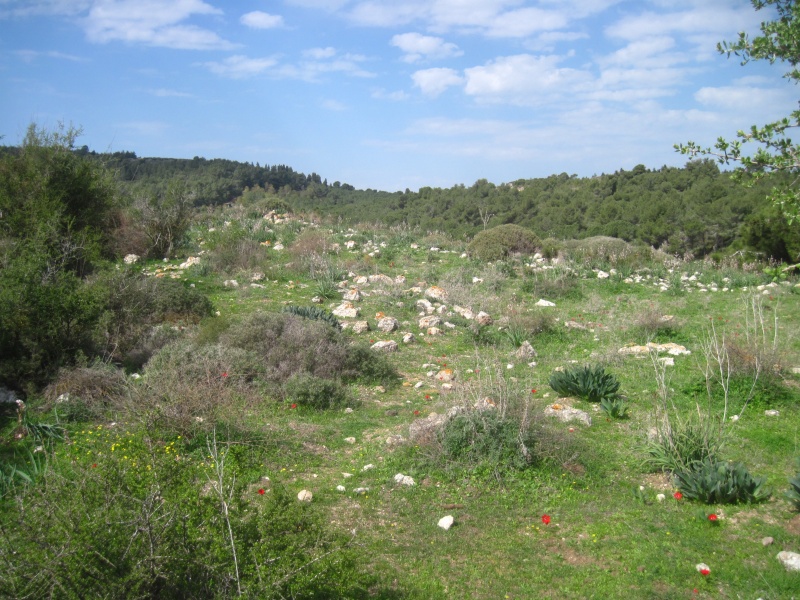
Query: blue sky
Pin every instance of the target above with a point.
(389, 94)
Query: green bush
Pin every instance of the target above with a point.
(498, 242)
(118, 514)
(684, 443)
(793, 493)
(589, 383)
(486, 440)
(313, 392)
(315, 313)
(616, 408)
(718, 482)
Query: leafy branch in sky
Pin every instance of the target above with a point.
(780, 41)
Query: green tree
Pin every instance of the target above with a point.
(780, 41)
(165, 217)
(55, 209)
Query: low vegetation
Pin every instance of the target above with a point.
(205, 426)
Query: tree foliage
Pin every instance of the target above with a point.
(780, 41)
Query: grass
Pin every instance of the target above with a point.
(607, 537)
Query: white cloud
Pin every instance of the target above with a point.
(261, 20)
(31, 55)
(333, 105)
(526, 21)
(433, 82)
(153, 23)
(239, 67)
(165, 93)
(320, 53)
(524, 79)
(30, 8)
(417, 46)
(375, 13)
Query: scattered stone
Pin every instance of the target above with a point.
(404, 479)
(767, 541)
(446, 522)
(772, 413)
(430, 321)
(231, 283)
(670, 348)
(567, 414)
(464, 312)
(485, 404)
(347, 475)
(408, 338)
(368, 467)
(346, 310)
(395, 440)
(381, 278)
(572, 324)
(436, 294)
(790, 560)
(360, 327)
(418, 385)
(350, 440)
(544, 302)
(131, 259)
(425, 305)
(434, 331)
(667, 361)
(255, 277)
(660, 497)
(385, 346)
(305, 496)
(388, 324)
(525, 351)
(360, 491)
(352, 295)
(602, 275)
(348, 410)
(483, 319)
(340, 488)
(446, 375)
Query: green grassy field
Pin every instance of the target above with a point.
(608, 535)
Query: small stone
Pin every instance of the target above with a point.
(361, 491)
(368, 467)
(702, 567)
(348, 410)
(340, 488)
(350, 440)
(544, 302)
(305, 496)
(446, 522)
(767, 541)
(660, 497)
(790, 560)
(772, 413)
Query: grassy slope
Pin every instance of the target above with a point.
(603, 540)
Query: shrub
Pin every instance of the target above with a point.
(717, 482)
(307, 390)
(682, 444)
(487, 440)
(498, 242)
(86, 392)
(616, 408)
(314, 313)
(793, 493)
(590, 383)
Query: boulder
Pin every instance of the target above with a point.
(430, 321)
(446, 375)
(360, 327)
(436, 294)
(544, 302)
(388, 324)
(346, 310)
(483, 319)
(385, 346)
(352, 295)
(567, 414)
(525, 351)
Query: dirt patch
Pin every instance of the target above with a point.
(658, 481)
(570, 555)
(793, 525)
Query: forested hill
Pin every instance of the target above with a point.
(695, 209)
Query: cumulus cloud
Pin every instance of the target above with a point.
(261, 20)
(433, 82)
(153, 23)
(417, 47)
(239, 67)
(524, 79)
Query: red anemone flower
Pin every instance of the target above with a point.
(546, 519)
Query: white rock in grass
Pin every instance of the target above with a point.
(368, 467)
(404, 479)
(790, 560)
(350, 440)
(305, 496)
(702, 567)
(772, 413)
(340, 488)
(660, 497)
(446, 522)
(544, 302)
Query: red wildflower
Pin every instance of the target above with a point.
(94, 465)
(705, 572)
(416, 413)
(427, 397)
(261, 491)
(294, 406)
(533, 391)
(712, 517)
(546, 519)
(677, 495)
(224, 374)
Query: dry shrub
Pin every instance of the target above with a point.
(650, 324)
(189, 387)
(81, 393)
